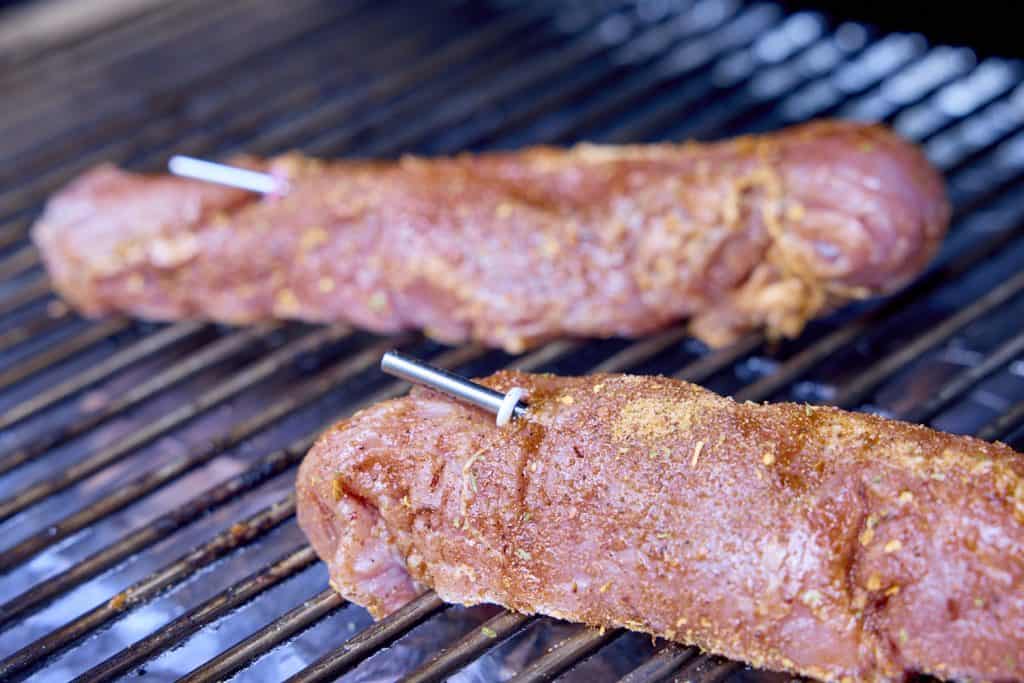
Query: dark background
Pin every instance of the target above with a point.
(985, 25)
(989, 27)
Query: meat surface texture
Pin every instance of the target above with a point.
(512, 249)
(812, 540)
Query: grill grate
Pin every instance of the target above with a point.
(146, 469)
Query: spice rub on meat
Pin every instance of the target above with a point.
(511, 249)
(806, 539)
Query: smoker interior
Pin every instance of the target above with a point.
(146, 471)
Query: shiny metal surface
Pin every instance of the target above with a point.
(417, 372)
(223, 174)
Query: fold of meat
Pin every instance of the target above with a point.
(511, 249)
(807, 539)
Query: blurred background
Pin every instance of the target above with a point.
(986, 25)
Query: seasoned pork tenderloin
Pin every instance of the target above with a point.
(512, 249)
(812, 540)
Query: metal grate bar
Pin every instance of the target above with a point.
(966, 379)
(1004, 425)
(710, 364)
(643, 350)
(470, 647)
(388, 39)
(55, 105)
(577, 55)
(371, 639)
(239, 656)
(881, 370)
(67, 65)
(884, 59)
(61, 352)
(196, 618)
(113, 144)
(913, 83)
(529, 73)
(574, 90)
(244, 380)
(395, 115)
(727, 117)
(27, 659)
(257, 473)
(566, 654)
(156, 343)
(40, 94)
(166, 93)
(34, 328)
(179, 517)
(711, 28)
(736, 124)
(323, 119)
(18, 263)
(107, 142)
(35, 291)
(245, 30)
(216, 353)
(134, 490)
(662, 664)
(11, 237)
(438, 60)
(710, 669)
(544, 355)
(57, 53)
(998, 78)
(691, 59)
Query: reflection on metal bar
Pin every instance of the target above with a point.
(217, 352)
(282, 629)
(250, 376)
(134, 490)
(205, 613)
(31, 656)
(470, 647)
(371, 639)
(566, 654)
(662, 664)
(53, 355)
(257, 473)
(31, 293)
(150, 345)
